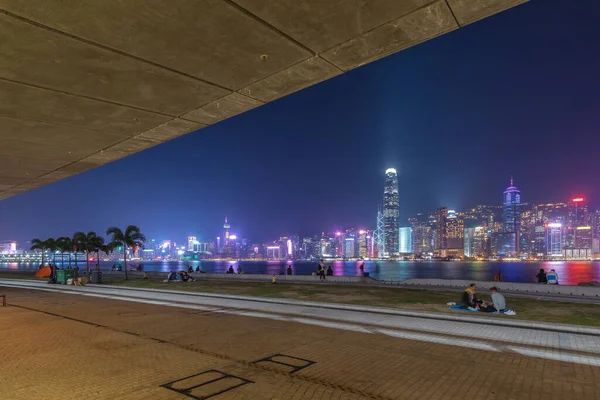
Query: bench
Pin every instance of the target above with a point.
(3, 299)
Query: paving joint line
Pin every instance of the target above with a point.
(375, 310)
(245, 363)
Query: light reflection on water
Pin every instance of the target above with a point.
(569, 272)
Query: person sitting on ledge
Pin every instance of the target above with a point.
(469, 299)
(190, 268)
(552, 277)
(329, 271)
(289, 270)
(498, 302)
(230, 270)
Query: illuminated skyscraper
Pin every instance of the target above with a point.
(406, 240)
(475, 242)
(191, 242)
(596, 232)
(577, 216)
(442, 215)
(391, 212)
(455, 231)
(349, 247)
(554, 239)
(512, 216)
(226, 226)
(379, 235)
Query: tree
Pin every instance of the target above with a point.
(37, 244)
(97, 245)
(132, 237)
(86, 243)
(52, 246)
(65, 245)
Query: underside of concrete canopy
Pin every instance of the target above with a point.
(87, 82)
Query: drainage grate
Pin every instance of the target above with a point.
(206, 384)
(295, 363)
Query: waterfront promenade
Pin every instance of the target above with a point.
(102, 342)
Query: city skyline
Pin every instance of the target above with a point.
(455, 116)
(391, 197)
(512, 229)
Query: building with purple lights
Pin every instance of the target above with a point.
(512, 219)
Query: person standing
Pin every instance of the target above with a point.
(552, 277)
(321, 270)
(541, 276)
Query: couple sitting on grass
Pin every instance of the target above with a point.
(496, 305)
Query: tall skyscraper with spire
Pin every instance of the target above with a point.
(512, 218)
(226, 226)
(391, 212)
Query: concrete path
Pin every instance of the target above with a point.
(118, 343)
(550, 341)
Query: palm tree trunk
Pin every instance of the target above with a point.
(125, 260)
(43, 256)
(87, 263)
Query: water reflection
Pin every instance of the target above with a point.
(569, 272)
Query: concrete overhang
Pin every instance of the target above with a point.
(87, 82)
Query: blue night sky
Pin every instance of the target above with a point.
(515, 94)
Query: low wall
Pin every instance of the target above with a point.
(505, 286)
(250, 277)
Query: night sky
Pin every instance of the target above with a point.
(515, 94)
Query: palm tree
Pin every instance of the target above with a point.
(97, 245)
(86, 243)
(52, 246)
(132, 237)
(65, 245)
(37, 244)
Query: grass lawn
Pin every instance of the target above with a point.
(410, 299)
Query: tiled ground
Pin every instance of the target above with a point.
(107, 349)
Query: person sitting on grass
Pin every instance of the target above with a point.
(498, 302)
(186, 277)
(469, 299)
(172, 276)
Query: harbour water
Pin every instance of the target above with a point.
(570, 272)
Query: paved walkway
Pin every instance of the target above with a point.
(119, 343)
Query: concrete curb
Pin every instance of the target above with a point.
(544, 326)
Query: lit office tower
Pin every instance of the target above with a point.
(596, 232)
(349, 247)
(391, 212)
(577, 216)
(554, 239)
(512, 217)
(191, 240)
(406, 240)
(455, 231)
(475, 242)
(379, 235)
(442, 216)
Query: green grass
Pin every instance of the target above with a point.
(410, 299)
